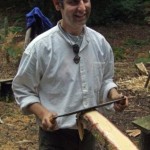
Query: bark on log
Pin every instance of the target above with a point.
(107, 134)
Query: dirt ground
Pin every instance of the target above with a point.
(18, 132)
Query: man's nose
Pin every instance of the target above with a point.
(81, 5)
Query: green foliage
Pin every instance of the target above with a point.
(11, 51)
(117, 10)
(9, 43)
(15, 3)
(136, 42)
(100, 12)
(6, 26)
(128, 6)
(147, 19)
(119, 53)
(103, 11)
(147, 11)
(142, 59)
(16, 29)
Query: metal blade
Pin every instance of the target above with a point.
(90, 108)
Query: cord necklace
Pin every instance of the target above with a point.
(75, 42)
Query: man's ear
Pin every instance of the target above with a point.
(57, 5)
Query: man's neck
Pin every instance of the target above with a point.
(72, 30)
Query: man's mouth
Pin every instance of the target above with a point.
(83, 16)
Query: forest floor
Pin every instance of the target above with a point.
(131, 43)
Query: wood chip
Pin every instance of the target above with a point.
(1, 121)
(24, 141)
(142, 69)
(134, 133)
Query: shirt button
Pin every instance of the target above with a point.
(85, 103)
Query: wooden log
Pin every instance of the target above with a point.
(105, 132)
(6, 80)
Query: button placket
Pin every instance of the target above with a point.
(84, 84)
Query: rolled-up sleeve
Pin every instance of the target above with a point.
(26, 82)
(108, 73)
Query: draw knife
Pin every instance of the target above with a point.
(90, 108)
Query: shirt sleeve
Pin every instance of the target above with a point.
(26, 82)
(108, 75)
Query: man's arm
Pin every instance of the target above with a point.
(46, 117)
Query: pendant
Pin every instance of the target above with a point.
(76, 59)
(76, 48)
(76, 51)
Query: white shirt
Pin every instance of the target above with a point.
(47, 74)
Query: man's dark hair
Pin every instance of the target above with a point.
(61, 3)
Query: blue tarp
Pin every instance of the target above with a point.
(37, 21)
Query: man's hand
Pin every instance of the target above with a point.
(47, 118)
(121, 105)
(48, 121)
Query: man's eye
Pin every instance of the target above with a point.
(73, 2)
(86, 1)
(76, 2)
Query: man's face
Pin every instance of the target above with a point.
(75, 13)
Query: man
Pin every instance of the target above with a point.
(67, 68)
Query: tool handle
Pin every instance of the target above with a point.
(90, 108)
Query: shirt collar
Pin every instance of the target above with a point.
(85, 40)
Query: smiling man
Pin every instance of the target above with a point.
(67, 68)
(74, 13)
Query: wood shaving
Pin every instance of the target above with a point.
(134, 84)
